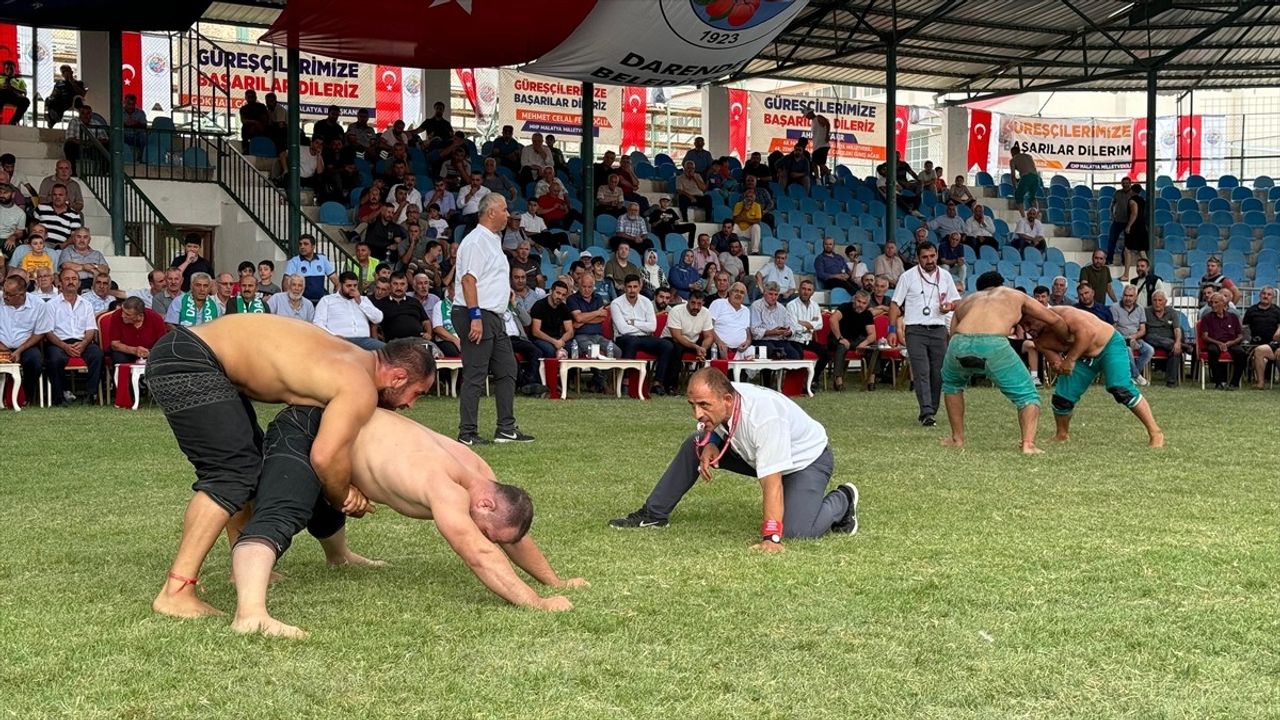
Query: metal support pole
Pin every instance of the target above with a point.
(891, 138)
(294, 132)
(115, 93)
(1243, 117)
(34, 71)
(587, 148)
(1151, 152)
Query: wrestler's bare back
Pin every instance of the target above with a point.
(398, 463)
(990, 312)
(1081, 323)
(284, 360)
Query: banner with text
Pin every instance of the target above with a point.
(535, 103)
(776, 121)
(1080, 144)
(324, 81)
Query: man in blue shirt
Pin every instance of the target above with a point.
(700, 157)
(507, 149)
(1084, 291)
(315, 269)
(831, 268)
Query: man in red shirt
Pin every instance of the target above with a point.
(132, 331)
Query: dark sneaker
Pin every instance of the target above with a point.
(534, 390)
(657, 390)
(472, 439)
(928, 421)
(848, 523)
(511, 436)
(638, 519)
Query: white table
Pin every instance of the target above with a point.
(621, 366)
(136, 372)
(737, 366)
(454, 364)
(13, 370)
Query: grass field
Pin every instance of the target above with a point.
(1099, 580)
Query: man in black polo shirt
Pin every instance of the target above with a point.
(383, 233)
(551, 322)
(190, 262)
(1263, 321)
(402, 316)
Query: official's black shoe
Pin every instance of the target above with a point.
(472, 439)
(638, 519)
(511, 436)
(848, 523)
(928, 421)
(534, 390)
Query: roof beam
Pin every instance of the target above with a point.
(965, 21)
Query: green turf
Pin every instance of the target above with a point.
(1099, 580)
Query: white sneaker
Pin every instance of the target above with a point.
(1036, 380)
(1142, 381)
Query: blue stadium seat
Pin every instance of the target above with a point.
(1190, 218)
(1056, 216)
(194, 157)
(1176, 244)
(1195, 181)
(1208, 230)
(263, 147)
(1083, 191)
(1054, 255)
(1205, 193)
(1240, 194)
(1032, 256)
(1071, 271)
(1219, 204)
(1263, 182)
(1271, 230)
(675, 242)
(1171, 193)
(989, 254)
(1057, 180)
(1008, 253)
(1252, 204)
(1081, 229)
(1228, 181)
(1207, 243)
(1162, 217)
(1240, 244)
(983, 179)
(606, 225)
(332, 213)
(1164, 181)
(1221, 218)
(1240, 230)
(1059, 190)
(1254, 218)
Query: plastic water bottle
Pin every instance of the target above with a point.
(715, 352)
(573, 350)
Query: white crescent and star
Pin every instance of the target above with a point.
(133, 72)
(899, 123)
(464, 4)
(1142, 136)
(980, 130)
(735, 110)
(390, 83)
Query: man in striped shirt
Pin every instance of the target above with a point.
(58, 217)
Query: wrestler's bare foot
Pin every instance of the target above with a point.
(1157, 440)
(267, 626)
(1060, 437)
(952, 442)
(183, 604)
(1031, 449)
(350, 558)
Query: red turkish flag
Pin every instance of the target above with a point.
(635, 118)
(738, 101)
(979, 139)
(902, 124)
(1188, 145)
(131, 65)
(388, 101)
(1139, 169)
(467, 77)
(9, 51)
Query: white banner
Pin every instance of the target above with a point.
(1073, 144)
(667, 42)
(775, 122)
(533, 103)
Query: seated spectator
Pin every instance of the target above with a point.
(717, 181)
(1263, 321)
(1220, 332)
(469, 199)
(688, 329)
(868, 282)
(529, 357)
(754, 168)
(86, 121)
(133, 330)
(662, 301)
(831, 269)
(435, 127)
(84, 260)
(155, 286)
(243, 270)
(731, 323)
(619, 267)
(397, 172)
(402, 316)
(960, 193)
(610, 200)
(543, 186)
(381, 289)
(1147, 282)
(691, 191)
(524, 294)
(951, 256)
(551, 322)
(58, 217)
(328, 128)
(524, 260)
(443, 199)
(74, 333)
(24, 321)
(630, 184)
(796, 168)
(684, 276)
(748, 213)
(62, 174)
(556, 155)
(46, 286)
(651, 274)
(927, 178)
(704, 254)
(907, 248)
(277, 120)
(36, 258)
(721, 240)
(806, 321)
(940, 184)
(423, 294)
(709, 274)
(291, 302)
(632, 230)
(944, 225)
(1213, 276)
(1131, 323)
(363, 266)
(664, 219)
(412, 197)
(13, 91)
(1164, 332)
(881, 298)
(858, 271)
(889, 263)
(734, 262)
(266, 269)
(603, 283)
(507, 149)
(1086, 301)
(763, 197)
(255, 120)
(223, 290)
(456, 170)
(248, 300)
(361, 135)
(1098, 275)
(723, 283)
(9, 171)
(853, 328)
(315, 269)
(434, 225)
(499, 183)
(534, 157)
(980, 230)
(634, 325)
(771, 325)
(442, 328)
(348, 314)
(700, 157)
(99, 295)
(67, 93)
(135, 126)
(1029, 232)
(589, 311)
(161, 301)
(13, 219)
(778, 273)
(1058, 293)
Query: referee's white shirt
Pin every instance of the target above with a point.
(917, 290)
(480, 256)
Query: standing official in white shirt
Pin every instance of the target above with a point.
(922, 301)
(481, 293)
(754, 431)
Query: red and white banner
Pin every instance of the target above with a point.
(1139, 170)
(1068, 143)
(902, 127)
(666, 42)
(1190, 130)
(635, 119)
(487, 92)
(739, 101)
(146, 72)
(776, 122)
(1191, 145)
(979, 140)
(467, 76)
(533, 103)
(388, 97)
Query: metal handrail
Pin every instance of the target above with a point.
(148, 233)
(184, 49)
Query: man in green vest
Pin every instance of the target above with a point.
(13, 91)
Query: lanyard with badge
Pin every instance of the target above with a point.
(730, 428)
(937, 290)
